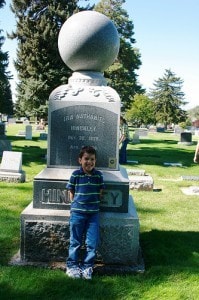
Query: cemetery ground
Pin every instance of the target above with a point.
(169, 234)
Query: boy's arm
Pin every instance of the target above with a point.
(101, 194)
(70, 188)
(70, 195)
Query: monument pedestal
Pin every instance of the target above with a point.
(45, 236)
(45, 222)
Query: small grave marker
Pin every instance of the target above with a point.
(136, 139)
(172, 164)
(21, 133)
(28, 132)
(192, 190)
(186, 138)
(138, 172)
(194, 178)
(141, 183)
(132, 162)
(11, 167)
(43, 136)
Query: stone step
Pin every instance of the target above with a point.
(141, 183)
(138, 172)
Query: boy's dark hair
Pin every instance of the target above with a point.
(87, 149)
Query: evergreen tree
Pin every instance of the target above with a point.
(6, 104)
(39, 65)
(121, 75)
(168, 99)
(2, 2)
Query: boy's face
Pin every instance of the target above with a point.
(87, 162)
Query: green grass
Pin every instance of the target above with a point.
(168, 230)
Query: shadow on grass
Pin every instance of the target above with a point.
(56, 286)
(170, 248)
(31, 154)
(14, 139)
(9, 232)
(152, 141)
(8, 246)
(168, 255)
(157, 156)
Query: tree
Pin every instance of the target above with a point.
(168, 99)
(6, 104)
(121, 75)
(141, 112)
(194, 113)
(2, 2)
(39, 65)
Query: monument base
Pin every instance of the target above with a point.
(45, 236)
(99, 269)
(12, 176)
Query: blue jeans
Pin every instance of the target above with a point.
(122, 152)
(83, 226)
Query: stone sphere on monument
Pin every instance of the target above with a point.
(88, 41)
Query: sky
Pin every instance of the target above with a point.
(166, 33)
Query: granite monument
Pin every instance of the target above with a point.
(85, 111)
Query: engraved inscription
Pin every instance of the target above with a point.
(74, 127)
(111, 198)
(84, 116)
(54, 196)
(83, 128)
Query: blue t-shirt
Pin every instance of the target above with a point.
(86, 190)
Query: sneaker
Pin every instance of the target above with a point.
(87, 273)
(73, 272)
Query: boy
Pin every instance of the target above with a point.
(85, 190)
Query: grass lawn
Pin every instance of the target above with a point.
(168, 230)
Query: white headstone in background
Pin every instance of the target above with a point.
(11, 161)
(142, 132)
(196, 132)
(11, 120)
(136, 139)
(11, 167)
(28, 132)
